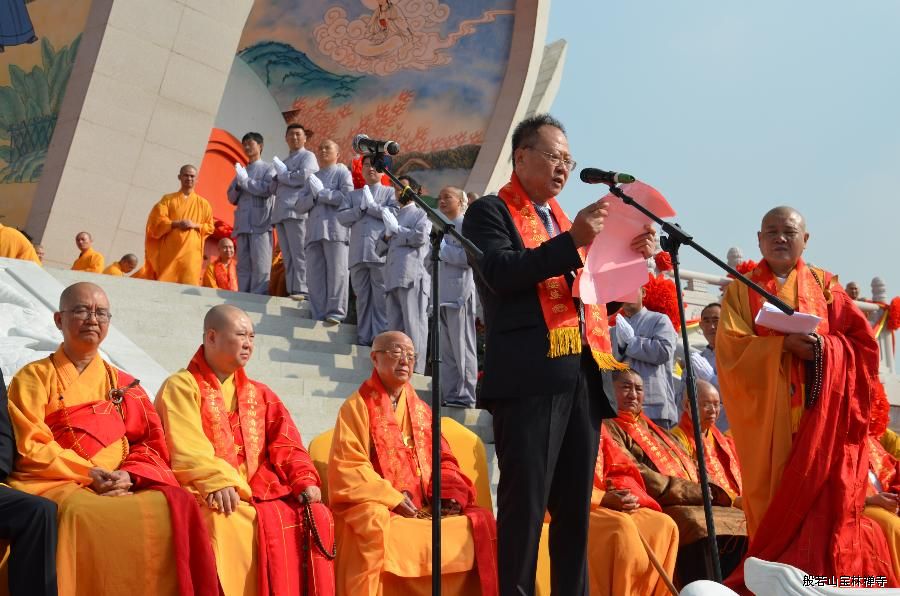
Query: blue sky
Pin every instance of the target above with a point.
(730, 108)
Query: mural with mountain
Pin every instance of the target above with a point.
(424, 74)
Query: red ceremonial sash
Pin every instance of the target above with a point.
(812, 298)
(616, 468)
(668, 457)
(225, 275)
(398, 463)
(216, 421)
(554, 294)
(714, 440)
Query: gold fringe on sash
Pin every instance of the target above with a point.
(607, 361)
(564, 341)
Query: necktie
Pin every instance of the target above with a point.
(543, 212)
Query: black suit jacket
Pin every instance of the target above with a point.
(516, 362)
(7, 442)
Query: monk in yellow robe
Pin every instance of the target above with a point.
(799, 407)
(89, 439)
(89, 260)
(176, 229)
(234, 446)
(379, 486)
(672, 479)
(123, 266)
(14, 245)
(718, 449)
(624, 518)
(39, 251)
(222, 273)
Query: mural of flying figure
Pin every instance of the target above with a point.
(15, 26)
(387, 20)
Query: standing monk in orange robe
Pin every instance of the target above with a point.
(89, 260)
(234, 445)
(89, 439)
(222, 273)
(14, 245)
(379, 485)
(718, 450)
(799, 412)
(176, 229)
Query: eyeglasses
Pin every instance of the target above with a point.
(398, 354)
(83, 314)
(555, 160)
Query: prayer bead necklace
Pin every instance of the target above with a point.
(815, 389)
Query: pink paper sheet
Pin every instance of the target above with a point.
(613, 271)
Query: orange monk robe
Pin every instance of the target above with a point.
(239, 434)
(114, 270)
(14, 245)
(221, 276)
(804, 470)
(172, 254)
(65, 424)
(618, 563)
(90, 261)
(718, 451)
(380, 552)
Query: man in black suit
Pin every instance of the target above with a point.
(27, 522)
(542, 380)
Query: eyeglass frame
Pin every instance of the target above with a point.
(556, 160)
(86, 313)
(398, 353)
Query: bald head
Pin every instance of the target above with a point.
(389, 339)
(187, 176)
(782, 239)
(227, 339)
(128, 262)
(80, 293)
(708, 403)
(784, 212)
(222, 316)
(394, 358)
(83, 318)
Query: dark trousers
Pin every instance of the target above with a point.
(29, 524)
(547, 450)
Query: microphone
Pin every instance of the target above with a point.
(364, 145)
(595, 176)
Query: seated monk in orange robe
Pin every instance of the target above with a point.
(234, 445)
(379, 486)
(718, 449)
(625, 521)
(672, 479)
(176, 229)
(89, 439)
(14, 245)
(799, 408)
(222, 272)
(123, 266)
(89, 260)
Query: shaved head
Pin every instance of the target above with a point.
(393, 356)
(186, 167)
(390, 338)
(225, 242)
(786, 213)
(222, 316)
(76, 293)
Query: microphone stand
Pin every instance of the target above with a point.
(440, 226)
(673, 240)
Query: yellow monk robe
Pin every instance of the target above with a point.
(884, 476)
(114, 270)
(221, 276)
(14, 245)
(173, 254)
(618, 563)
(380, 552)
(90, 261)
(107, 545)
(718, 451)
(261, 432)
(891, 442)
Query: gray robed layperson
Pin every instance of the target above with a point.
(405, 245)
(288, 214)
(363, 215)
(459, 359)
(250, 193)
(645, 341)
(327, 240)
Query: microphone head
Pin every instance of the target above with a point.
(597, 176)
(356, 142)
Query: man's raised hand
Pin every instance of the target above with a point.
(589, 222)
(645, 242)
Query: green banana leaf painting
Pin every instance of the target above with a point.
(28, 110)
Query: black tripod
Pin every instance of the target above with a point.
(673, 240)
(440, 226)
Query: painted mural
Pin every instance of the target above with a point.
(38, 44)
(423, 73)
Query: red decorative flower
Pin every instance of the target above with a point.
(660, 296)
(745, 267)
(221, 229)
(663, 261)
(893, 320)
(880, 409)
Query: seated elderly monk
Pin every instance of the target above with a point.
(89, 439)
(234, 445)
(718, 449)
(672, 479)
(626, 526)
(379, 486)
